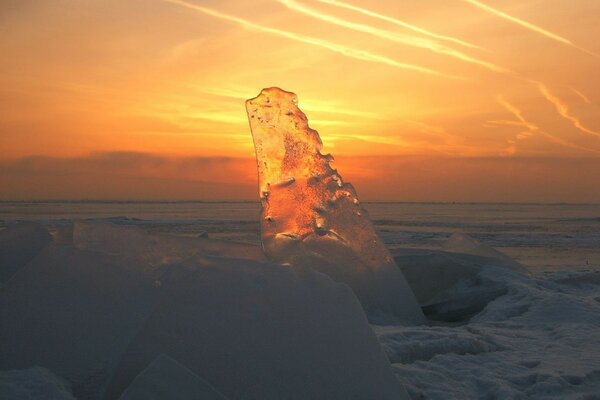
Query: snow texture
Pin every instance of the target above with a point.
(312, 219)
(540, 340)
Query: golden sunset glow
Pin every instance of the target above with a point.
(417, 100)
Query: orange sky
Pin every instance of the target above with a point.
(430, 100)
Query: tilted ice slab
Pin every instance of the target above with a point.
(310, 218)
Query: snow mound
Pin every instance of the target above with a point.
(311, 218)
(165, 378)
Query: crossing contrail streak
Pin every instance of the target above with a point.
(581, 95)
(393, 36)
(533, 128)
(344, 50)
(398, 22)
(563, 109)
(529, 26)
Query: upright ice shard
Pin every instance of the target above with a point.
(312, 219)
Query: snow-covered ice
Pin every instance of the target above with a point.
(251, 329)
(72, 319)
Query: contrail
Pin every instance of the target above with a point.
(533, 128)
(518, 114)
(581, 95)
(393, 36)
(563, 109)
(344, 50)
(399, 23)
(529, 26)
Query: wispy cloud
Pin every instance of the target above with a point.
(529, 26)
(581, 95)
(408, 40)
(351, 52)
(532, 128)
(563, 110)
(398, 22)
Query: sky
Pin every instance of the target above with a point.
(419, 100)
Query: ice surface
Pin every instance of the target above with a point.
(19, 244)
(257, 331)
(164, 379)
(33, 383)
(311, 218)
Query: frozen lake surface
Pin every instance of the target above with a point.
(543, 237)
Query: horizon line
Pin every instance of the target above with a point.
(157, 201)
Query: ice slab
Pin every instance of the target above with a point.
(311, 218)
(258, 331)
(19, 244)
(165, 378)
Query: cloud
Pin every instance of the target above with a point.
(529, 26)
(128, 175)
(531, 128)
(398, 22)
(146, 176)
(393, 36)
(351, 52)
(581, 95)
(563, 110)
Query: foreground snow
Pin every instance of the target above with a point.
(95, 319)
(541, 340)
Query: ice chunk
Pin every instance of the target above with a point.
(458, 289)
(431, 273)
(33, 383)
(311, 218)
(257, 331)
(463, 243)
(19, 244)
(165, 378)
(153, 249)
(74, 313)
